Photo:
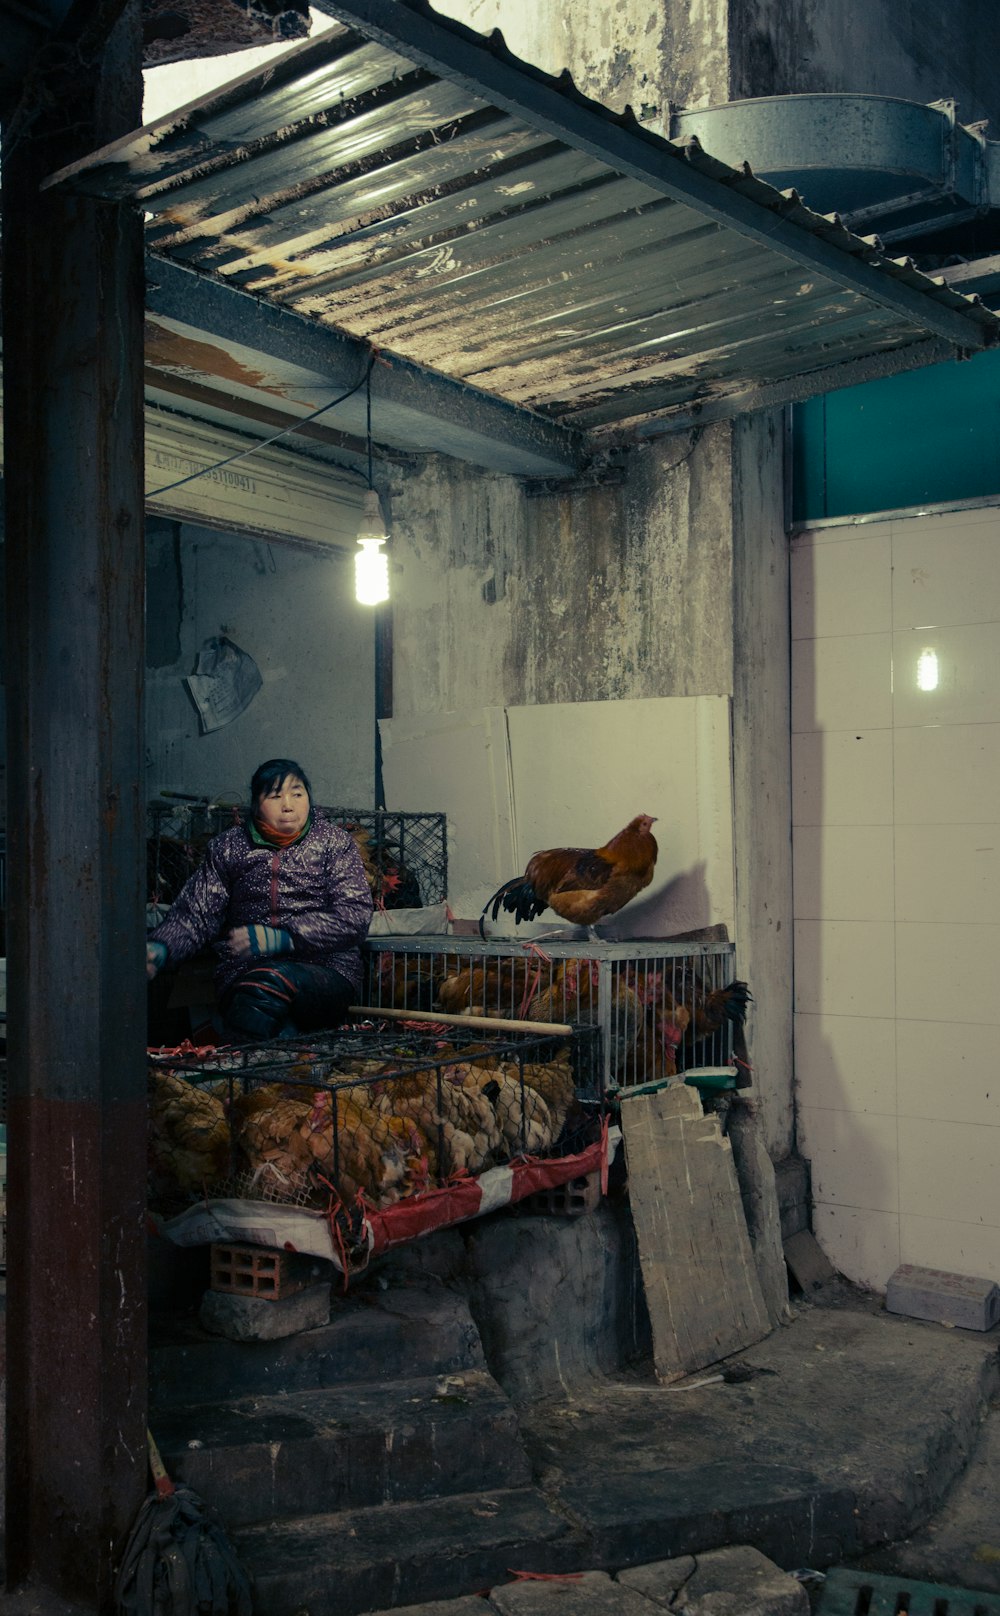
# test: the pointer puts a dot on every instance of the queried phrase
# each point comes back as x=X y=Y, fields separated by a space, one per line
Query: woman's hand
x=247 y=942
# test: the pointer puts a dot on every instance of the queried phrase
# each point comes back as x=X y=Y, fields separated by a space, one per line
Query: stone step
x=399 y=1554
x=381 y=1337
x=305 y=1452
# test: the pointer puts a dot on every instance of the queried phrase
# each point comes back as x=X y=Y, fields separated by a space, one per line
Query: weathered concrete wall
x=673 y=583
x=761 y=763
x=591 y=1263
x=293 y=610
x=510 y=1267
x=622 y=54
x=595 y=595
x=920 y=51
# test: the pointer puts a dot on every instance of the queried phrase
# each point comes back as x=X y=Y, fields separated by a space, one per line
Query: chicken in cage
x=379 y=1122
x=661 y=1008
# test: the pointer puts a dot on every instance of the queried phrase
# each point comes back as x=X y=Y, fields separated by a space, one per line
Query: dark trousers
x=286 y=994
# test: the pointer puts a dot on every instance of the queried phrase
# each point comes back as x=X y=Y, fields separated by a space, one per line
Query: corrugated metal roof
x=409 y=182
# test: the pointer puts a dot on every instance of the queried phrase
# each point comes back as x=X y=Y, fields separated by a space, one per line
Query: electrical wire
x=366 y=380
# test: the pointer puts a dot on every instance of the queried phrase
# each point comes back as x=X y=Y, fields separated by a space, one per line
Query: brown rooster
x=583 y=885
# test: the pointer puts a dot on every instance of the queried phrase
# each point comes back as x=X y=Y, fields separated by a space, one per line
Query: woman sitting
x=285 y=902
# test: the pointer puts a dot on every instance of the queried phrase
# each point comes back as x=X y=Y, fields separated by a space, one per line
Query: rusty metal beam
x=773 y=395
x=76 y=1317
x=201 y=400
x=418 y=411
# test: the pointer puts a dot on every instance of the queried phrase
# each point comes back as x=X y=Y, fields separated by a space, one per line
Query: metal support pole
x=72 y=348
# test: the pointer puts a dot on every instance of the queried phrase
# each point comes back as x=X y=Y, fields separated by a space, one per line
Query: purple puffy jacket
x=316 y=890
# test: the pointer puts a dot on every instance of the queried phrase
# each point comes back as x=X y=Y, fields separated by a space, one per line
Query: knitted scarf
x=264 y=836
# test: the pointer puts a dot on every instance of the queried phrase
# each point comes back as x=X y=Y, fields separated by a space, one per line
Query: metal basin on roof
x=409 y=185
x=899 y=167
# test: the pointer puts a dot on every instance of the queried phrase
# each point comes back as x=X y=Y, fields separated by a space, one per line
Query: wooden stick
x=493 y=1023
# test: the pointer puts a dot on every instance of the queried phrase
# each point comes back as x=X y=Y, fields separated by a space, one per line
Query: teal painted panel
x=923 y=438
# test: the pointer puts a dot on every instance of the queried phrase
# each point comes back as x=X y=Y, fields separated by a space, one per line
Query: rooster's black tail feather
x=519 y=899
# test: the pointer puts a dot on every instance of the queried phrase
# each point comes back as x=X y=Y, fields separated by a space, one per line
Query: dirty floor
x=847 y=1436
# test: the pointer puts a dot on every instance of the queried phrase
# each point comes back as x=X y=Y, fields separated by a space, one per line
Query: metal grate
x=861 y=1593
x=404 y=854
x=662 y=1008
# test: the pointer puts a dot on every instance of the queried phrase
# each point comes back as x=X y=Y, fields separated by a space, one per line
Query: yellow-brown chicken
x=188 y=1134
x=265 y=1124
x=524 y=1118
x=496 y=989
x=412 y=981
x=454 y=1117
x=434 y=1147
x=583 y=885
x=553 y=1080
x=350 y=1145
x=573 y=996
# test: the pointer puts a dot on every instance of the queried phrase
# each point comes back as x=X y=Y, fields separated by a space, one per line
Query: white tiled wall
x=896 y=839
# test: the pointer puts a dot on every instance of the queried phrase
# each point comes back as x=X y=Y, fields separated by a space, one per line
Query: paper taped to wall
x=223 y=684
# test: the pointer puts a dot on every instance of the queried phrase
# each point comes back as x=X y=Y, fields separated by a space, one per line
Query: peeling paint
x=168 y=350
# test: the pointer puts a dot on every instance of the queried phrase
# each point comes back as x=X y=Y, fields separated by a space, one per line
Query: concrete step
x=376 y=1337
x=304 y=1452
x=400 y=1554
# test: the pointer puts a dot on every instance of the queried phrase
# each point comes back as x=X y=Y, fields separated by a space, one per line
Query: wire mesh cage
x=364 y=1112
x=662 y=1008
x=404 y=854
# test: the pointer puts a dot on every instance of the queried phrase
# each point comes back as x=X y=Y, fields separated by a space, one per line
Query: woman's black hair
x=272 y=773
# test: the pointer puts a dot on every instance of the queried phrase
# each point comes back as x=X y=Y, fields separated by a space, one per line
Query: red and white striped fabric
x=291 y=1228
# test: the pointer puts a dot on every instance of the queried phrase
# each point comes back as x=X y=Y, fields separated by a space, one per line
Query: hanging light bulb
x=371 y=564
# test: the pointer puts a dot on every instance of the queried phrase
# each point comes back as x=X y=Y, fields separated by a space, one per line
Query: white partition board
x=457 y=764
x=572 y=774
x=581 y=770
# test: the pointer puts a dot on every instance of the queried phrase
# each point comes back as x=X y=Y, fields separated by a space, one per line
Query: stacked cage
x=662 y=1008
x=404 y=854
x=365 y=1115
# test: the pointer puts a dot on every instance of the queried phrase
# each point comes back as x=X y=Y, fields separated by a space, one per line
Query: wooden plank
x=697 y=1265
x=808 y=1264
x=383 y=1012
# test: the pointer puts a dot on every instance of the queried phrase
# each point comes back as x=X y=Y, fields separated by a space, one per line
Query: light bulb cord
x=366 y=382
x=368 y=420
